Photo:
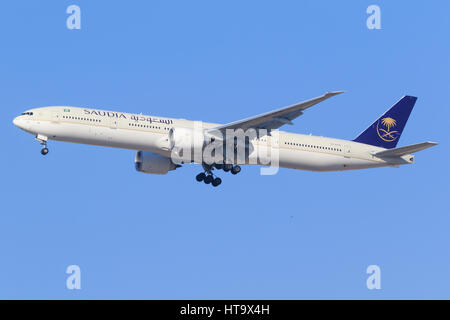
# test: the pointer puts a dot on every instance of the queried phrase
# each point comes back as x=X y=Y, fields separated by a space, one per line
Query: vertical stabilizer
x=386 y=130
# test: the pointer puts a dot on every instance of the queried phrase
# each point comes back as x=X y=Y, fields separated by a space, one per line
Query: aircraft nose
x=19 y=122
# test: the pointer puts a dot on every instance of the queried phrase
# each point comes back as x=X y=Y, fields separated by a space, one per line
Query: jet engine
x=149 y=162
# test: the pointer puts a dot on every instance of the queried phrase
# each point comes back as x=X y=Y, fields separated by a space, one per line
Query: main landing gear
x=209 y=178
x=230 y=168
x=43 y=141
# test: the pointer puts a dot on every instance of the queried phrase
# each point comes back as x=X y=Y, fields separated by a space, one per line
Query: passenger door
x=55 y=115
x=347 y=151
x=113 y=124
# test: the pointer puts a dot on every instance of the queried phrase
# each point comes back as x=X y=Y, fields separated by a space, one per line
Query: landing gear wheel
x=236 y=170
x=44 y=151
x=208 y=179
x=216 y=182
x=227 y=167
x=200 y=177
x=218 y=166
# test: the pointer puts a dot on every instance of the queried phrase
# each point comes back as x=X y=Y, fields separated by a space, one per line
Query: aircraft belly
x=103 y=136
x=315 y=161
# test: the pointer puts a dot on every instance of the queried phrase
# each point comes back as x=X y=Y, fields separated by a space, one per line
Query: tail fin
x=386 y=131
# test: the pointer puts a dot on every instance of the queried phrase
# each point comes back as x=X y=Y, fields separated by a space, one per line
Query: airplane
x=158 y=139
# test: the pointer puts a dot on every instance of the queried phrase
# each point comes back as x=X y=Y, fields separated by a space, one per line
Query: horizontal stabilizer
x=398 y=152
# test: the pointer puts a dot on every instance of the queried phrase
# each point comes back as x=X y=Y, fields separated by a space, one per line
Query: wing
x=276 y=118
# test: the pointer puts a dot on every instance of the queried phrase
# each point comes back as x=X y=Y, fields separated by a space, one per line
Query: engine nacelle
x=149 y=162
x=186 y=141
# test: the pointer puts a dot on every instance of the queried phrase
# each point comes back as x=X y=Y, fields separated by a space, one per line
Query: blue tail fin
x=386 y=131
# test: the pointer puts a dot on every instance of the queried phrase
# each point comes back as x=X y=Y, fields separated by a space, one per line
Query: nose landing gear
x=43 y=141
x=44 y=151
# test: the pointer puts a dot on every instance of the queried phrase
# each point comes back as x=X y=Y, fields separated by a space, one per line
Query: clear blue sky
x=292 y=235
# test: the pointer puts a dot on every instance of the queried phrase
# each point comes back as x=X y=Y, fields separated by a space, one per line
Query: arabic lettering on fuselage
x=134 y=117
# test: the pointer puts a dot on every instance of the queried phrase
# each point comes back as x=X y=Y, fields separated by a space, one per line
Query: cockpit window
x=27 y=113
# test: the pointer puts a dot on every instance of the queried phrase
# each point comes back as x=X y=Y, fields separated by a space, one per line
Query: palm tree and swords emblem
x=386 y=134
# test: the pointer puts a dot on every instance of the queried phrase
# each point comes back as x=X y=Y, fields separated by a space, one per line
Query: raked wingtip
x=333 y=93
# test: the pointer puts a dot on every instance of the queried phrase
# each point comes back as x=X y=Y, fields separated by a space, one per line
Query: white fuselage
x=150 y=133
